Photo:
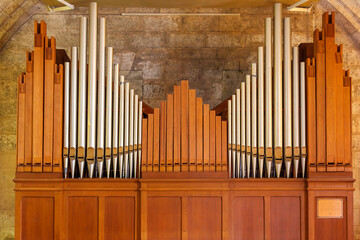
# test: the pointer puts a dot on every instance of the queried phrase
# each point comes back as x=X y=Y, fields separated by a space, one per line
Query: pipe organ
x=277 y=152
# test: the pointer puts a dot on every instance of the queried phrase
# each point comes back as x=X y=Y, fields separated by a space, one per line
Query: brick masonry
x=155 y=52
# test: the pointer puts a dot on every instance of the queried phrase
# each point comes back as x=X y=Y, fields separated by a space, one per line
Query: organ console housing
x=273 y=161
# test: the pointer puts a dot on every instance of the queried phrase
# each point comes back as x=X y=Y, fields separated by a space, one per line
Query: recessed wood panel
x=204 y=218
x=37 y=218
x=285 y=218
x=119 y=218
x=83 y=218
x=164 y=218
x=251 y=209
x=331 y=228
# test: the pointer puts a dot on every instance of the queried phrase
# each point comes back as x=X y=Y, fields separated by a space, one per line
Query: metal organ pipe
x=231 y=162
x=121 y=126
x=296 y=111
x=66 y=118
x=233 y=131
x=115 y=128
x=108 y=115
x=73 y=109
x=303 y=118
x=261 y=131
x=242 y=139
x=254 y=118
x=238 y=153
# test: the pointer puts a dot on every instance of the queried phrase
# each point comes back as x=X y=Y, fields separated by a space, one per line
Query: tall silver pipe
x=91 y=119
x=126 y=129
x=254 y=118
x=238 y=142
x=296 y=111
x=101 y=98
x=108 y=125
x=131 y=133
x=82 y=98
x=230 y=163
x=248 y=124
x=233 y=131
x=268 y=98
x=73 y=109
x=278 y=126
x=136 y=119
x=261 y=131
x=243 y=142
x=140 y=138
x=66 y=118
x=121 y=127
x=115 y=128
x=303 y=118
x=287 y=98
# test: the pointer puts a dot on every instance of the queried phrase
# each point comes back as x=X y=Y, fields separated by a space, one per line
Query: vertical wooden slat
x=339 y=108
x=50 y=58
x=20 y=134
x=331 y=91
x=58 y=118
x=224 y=146
x=156 y=142
x=347 y=120
x=29 y=111
x=38 y=90
x=150 y=148
x=192 y=130
x=199 y=135
x=206 y=138
x=144 y=145
x=184 y=125
x=311 y=114
x=319 y=49
x=163 y=136
x=170 y=133
x=212 y=140
x=177 y=128
x=218 y=143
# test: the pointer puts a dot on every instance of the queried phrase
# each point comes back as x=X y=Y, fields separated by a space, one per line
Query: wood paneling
x=164 y=218
x=119 y=218
x=251 y=209
x=204 y=218
x=285 y=218
x=37 y=218
x=83 y=218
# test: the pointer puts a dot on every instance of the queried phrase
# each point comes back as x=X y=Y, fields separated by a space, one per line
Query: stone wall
x=214 y=52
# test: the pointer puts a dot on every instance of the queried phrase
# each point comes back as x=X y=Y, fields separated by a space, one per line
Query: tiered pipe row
x=266 y=123
x=102 y=114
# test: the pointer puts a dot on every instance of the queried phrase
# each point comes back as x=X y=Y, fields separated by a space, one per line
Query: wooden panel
x=319 y=48
x=150 y=142
x=224 y=145
x=119 y=218
x=248 y=218
x=29 y=111
x=50 y=52
x=206 y=138
x=218 y=143
x=192 y=130
x=83 y=218
x=20 y=130
x=204 y=218
x=184 y=125
x=331 y=92
x=212 y=141
x=177 y=124
x=311 y=114
x=331 y=228
x=58 y=117
x=37 y=218
x=170 y=133
x=285 y=218
x=38 y=90
x=162 y=136
x=164 y=218
x=144 y=145
x=199 y=135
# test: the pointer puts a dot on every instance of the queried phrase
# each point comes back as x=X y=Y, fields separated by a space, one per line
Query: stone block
x=222 y=39
x=151 y=70
x=8 y=124
x=7 y=233
x=8 y=141
x=200 y=23
x=241 y=23
x=187 y=40
x=163 y=23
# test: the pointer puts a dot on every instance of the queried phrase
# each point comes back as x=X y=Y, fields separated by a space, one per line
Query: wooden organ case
x=184 y=171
